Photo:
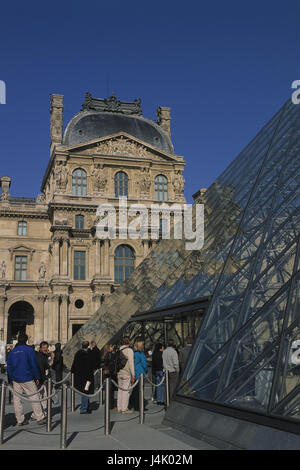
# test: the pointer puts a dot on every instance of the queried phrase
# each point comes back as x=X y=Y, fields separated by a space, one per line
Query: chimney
x=5 y=185
x=56 y=120
x=164 y=119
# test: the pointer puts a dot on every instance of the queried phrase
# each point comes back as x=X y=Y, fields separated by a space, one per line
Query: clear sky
x=224 y=68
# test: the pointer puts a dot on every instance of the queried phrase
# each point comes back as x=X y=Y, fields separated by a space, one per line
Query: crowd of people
x=28 y=370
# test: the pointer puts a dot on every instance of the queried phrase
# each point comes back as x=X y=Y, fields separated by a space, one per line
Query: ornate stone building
x=54 y=270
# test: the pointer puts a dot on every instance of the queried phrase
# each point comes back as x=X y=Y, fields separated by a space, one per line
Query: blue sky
x=224 y=68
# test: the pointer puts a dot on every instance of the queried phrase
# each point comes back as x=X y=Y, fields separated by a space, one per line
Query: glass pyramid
x=247 y=352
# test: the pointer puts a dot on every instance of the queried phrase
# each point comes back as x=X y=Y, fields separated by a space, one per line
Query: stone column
x=56 y=256
x=63 y=337
x=97 y=269
x=3 y=317
x=106 y=258
x=39 y=319
x=54 y=317
x=65 y=256
x=101 y=255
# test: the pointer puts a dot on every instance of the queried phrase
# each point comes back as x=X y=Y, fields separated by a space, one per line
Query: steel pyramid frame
x=246 y=353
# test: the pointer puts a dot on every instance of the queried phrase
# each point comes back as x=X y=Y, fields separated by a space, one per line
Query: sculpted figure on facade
x=61 y=176
x=122 y=146
x=42 y=270
x=145 y=180
x=99 y=178
x=41 y=198
x=178 y=184
x=3 y=269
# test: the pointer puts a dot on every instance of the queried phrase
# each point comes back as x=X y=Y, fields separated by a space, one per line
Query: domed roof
x=99 y=119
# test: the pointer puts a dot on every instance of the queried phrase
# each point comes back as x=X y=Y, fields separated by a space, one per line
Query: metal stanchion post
x=101 y=383
x=49 y=402
x=107 y=407
x=72 y=394
x=141 y=393
x=167 y=389
x=63 y=422
x=2 y=411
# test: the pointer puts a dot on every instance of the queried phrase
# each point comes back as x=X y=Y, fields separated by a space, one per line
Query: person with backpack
x=125 y=374
x=107 y=360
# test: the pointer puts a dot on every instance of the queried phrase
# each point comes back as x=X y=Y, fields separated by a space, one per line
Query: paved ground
x=86 y=432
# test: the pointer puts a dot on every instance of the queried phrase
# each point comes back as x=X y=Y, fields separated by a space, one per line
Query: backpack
x=118 y=361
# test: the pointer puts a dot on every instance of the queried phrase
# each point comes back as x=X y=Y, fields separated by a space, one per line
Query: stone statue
x=42 y=270
x=99 y=178
x=3 y=269
x=178 y=183
x=61 y=176
x=41 y=198
x=145 y=180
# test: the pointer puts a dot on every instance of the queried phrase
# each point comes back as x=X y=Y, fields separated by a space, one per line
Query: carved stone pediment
x=123 y=144
x=21 y=250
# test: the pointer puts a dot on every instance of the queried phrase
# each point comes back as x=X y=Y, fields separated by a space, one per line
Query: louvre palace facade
x=55 y=271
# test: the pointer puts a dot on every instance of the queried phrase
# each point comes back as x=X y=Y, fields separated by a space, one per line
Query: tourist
x=44 y=360
x=83 y=370
x=23 y=372
x=96 y=355
x=184 y=353
x=158 y=372
x=140 y=367
x=107 y=358
x=171 y=364
x=58 y=364
x=125 y=376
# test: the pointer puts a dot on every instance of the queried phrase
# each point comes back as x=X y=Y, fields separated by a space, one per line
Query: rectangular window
x=22 y=228
x=79 y=265
x=20 y=268
x=79 y=221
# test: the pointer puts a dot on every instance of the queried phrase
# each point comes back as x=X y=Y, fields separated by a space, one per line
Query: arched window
x=121 y=184
x=124 y=262
x=79 y=221
x=22 y=228
x=79 y=182
x=161 y=188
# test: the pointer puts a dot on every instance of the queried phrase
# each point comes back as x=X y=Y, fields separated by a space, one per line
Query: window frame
x=79 y=182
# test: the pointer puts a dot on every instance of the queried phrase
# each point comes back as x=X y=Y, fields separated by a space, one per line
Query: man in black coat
x=83 y=370
x=96 y=355
x=43 y=359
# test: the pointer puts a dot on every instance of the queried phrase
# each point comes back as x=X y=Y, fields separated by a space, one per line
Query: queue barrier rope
x=156 y=385
x=125 y=389
x=61 y=381
x=85 y=394
x=25 y=397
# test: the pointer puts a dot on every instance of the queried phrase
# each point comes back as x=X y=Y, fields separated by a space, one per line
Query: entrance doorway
x=76 y=327
x=20 y=320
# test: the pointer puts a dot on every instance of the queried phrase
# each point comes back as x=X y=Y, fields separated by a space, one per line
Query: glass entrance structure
x=247 y=352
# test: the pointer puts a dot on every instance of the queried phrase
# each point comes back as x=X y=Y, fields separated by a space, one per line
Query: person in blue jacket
x=23 y=373
x=140 y=367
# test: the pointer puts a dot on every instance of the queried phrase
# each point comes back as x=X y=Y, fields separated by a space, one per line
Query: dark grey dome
x=89 y=125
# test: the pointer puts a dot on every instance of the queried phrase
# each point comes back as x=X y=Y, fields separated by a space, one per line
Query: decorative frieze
x=123 y=146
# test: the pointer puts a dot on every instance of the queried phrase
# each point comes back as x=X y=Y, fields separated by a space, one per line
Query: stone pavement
x=86 y=432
